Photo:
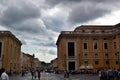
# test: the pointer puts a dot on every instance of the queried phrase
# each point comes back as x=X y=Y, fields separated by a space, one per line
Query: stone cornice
x=92 y=30
x=9 y=34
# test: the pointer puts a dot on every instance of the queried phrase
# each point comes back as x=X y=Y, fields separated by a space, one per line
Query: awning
x=89 y=67
x=82 y=67
x=86 y=67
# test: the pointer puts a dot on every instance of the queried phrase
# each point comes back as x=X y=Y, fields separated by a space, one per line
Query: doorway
x=71 y=65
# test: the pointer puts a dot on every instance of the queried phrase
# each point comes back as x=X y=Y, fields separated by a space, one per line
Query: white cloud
x=45 y=56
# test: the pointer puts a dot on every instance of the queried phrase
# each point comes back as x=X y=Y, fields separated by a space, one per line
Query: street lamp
x=117 y=53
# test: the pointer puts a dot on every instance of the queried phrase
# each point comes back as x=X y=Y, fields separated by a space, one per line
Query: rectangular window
x=117 y=62
x=116 y=55
x=0 y=48
x=107 y=62
x=96 y=55
x=114 y=45
x=85 y=55
x=85 y=45
x=105 y=45
x=95 y=45
x=86 y=63
x=106 y=55
x=96 y=62
x=71 y=49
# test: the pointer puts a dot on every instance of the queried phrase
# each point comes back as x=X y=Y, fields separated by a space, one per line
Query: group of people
x=35 y=74
x=3 y=74
x=110 y=74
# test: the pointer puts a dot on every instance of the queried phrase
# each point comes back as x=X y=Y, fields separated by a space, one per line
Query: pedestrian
x=110 y=74
x=66 y=74
x=39 y=75
x=23 y=73
x=35 y=74
x=4 y=75
x=116 y=74
x=32 y=74
x=103 y=74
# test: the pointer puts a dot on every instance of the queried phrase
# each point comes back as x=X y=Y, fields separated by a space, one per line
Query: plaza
x=52 y=76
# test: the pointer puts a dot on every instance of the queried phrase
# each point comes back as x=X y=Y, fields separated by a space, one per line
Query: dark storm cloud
x=16 y=13
x=86 y=13
x=64 y=2
x=56 y=2
x=86 y=10
x=54 y=23
x=31 y=26
x=48 y=42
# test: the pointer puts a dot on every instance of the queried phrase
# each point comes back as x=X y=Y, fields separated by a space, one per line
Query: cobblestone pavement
x=52 y=76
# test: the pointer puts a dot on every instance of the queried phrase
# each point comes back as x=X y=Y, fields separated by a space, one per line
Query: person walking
x=66 y=74
x=32 y=73
x=4 y=75
x=39 y=75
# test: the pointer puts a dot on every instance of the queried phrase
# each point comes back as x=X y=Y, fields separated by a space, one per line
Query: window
x=96 y=55
x=0 y=48
x=86 y=62
x=116 y=62
x=104 y=39
x=85 y=55
x=114 y=37
x=83 y=30
x=95 y=45
x=93 y=31
x=96 y=62
x=71 y=49
x=114 y=45
x=116 y=55
x=107 y=62
x=94 y=38
x=105 y=45
x=106 y=55
x=85 y=45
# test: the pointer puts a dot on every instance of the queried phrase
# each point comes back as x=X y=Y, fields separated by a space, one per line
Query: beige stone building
x=28 y=62
x=89 y=46
x=54 y=63
x=25 y=61
x=10 y=51
x=37 y=64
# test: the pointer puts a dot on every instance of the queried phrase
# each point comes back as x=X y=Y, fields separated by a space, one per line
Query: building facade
x=29 y=62
x=91 y=46
x=25 y=62
x=37 y=64
x=54 y=63
x=10 y=51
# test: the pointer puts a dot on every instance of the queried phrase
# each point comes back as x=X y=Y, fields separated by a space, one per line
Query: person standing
x=4 y=75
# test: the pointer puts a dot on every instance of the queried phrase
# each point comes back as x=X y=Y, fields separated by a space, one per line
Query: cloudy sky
x=37 y=23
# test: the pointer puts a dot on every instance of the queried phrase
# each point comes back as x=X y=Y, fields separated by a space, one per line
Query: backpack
x=110 y=73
